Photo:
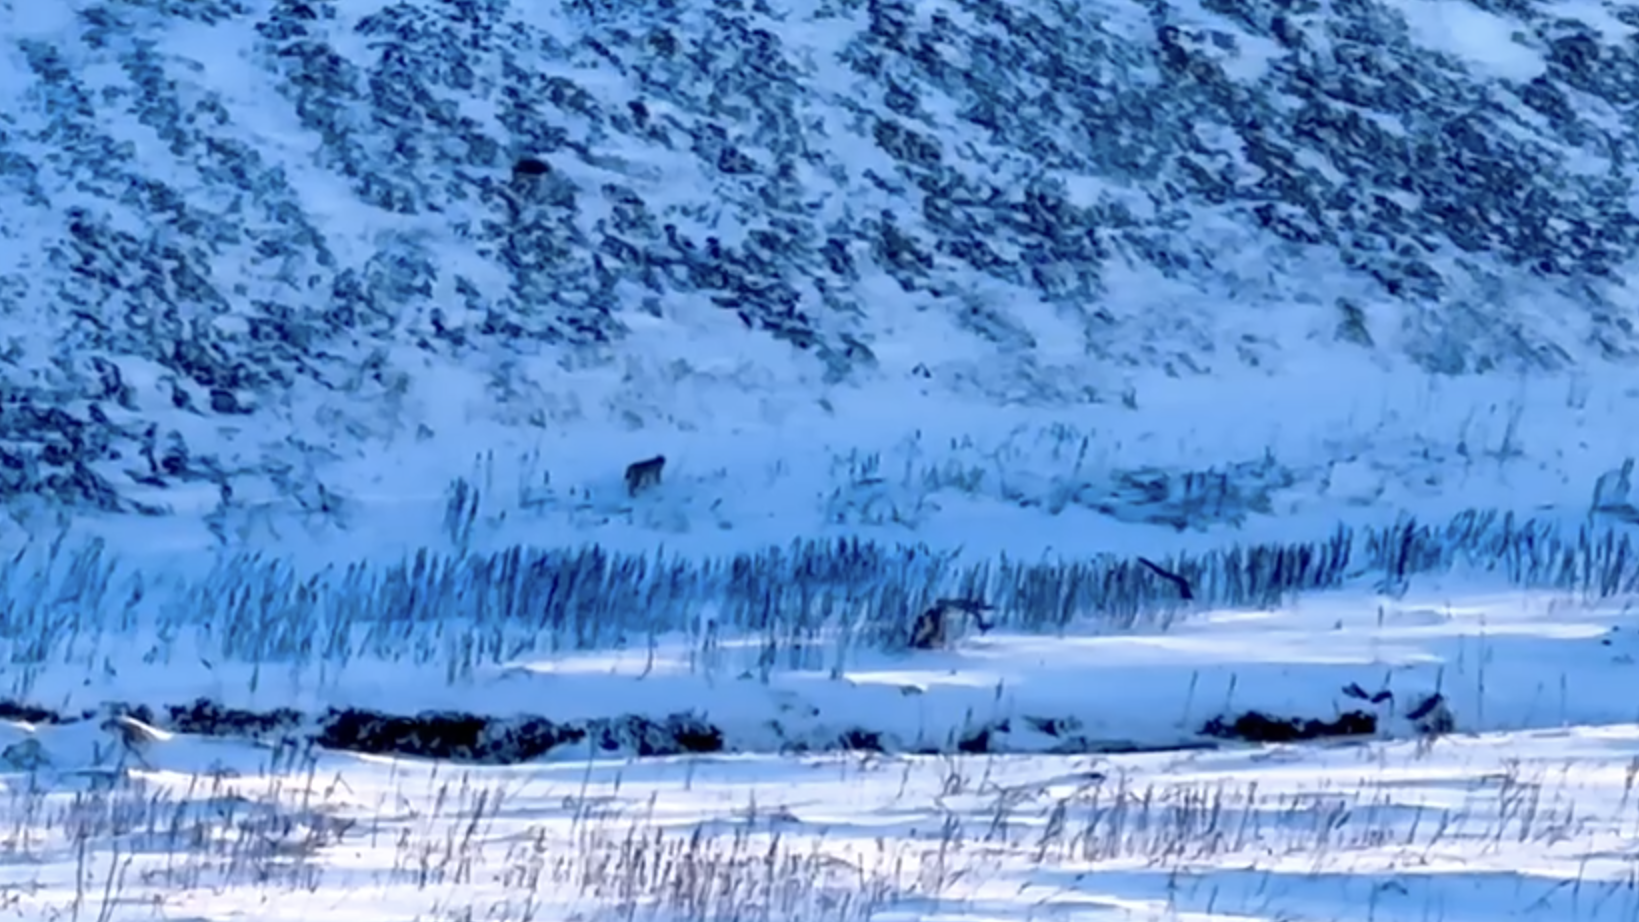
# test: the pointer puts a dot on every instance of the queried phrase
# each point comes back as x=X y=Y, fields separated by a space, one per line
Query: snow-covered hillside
x=1122 y=460
x=923 y=271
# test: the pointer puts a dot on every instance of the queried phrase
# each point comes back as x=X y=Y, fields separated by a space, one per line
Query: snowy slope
x=920 y=271
x=312 y=406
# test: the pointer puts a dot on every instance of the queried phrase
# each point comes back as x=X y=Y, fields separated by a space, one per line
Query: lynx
x=933 y=629
x=134 y=737
x=644 y=474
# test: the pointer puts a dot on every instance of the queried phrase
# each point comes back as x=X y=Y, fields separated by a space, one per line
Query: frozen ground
x=1198 y=282
x=1533 y=817
x=1499 y=662
x=1536 y=825
x=1250 y=457
x=267 y=270
x=1517 y=806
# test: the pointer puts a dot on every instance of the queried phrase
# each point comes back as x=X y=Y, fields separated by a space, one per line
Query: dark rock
x=1257 y=727
x=694 y=735
x=207 y=718
x=433 y=735
x=223 y=401
x=511 y=742
x=530 y=166
x=860 y=740
x=975 y=742
x=27 y=713
x=676 y=735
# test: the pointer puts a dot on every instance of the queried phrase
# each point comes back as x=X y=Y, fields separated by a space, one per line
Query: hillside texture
x=274 y=215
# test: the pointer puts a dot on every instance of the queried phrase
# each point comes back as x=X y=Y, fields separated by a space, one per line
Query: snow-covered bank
x=95 y=609
x=890 y=468
x=1286 y=256
x=1423 y=665
x=547 y=653
x=1464 y=829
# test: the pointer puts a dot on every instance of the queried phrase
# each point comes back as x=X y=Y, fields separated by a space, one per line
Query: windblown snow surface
x=1265 y=369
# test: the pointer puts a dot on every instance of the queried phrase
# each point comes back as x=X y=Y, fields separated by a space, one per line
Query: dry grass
x=506 y=846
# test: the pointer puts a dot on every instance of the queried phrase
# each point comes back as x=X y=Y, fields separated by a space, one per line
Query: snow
x=23 y=18
x=1481 y=39
x=1601 y=14
x=1466 y=828
x=1502 y=662
x=1527 y=805
x=770 y=463
x=1064 y=434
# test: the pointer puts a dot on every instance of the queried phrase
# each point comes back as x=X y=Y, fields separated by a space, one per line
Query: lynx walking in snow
x=644 y=474
x=135 y=737
x=933 y=630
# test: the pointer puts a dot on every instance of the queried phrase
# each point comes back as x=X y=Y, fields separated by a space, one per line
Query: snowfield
x=1491 y=662
x=914 y=270
x=1261 y=376
x=1537 y=825
x=1486 y=772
